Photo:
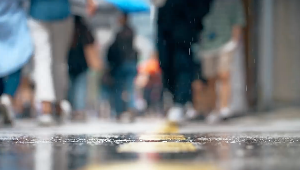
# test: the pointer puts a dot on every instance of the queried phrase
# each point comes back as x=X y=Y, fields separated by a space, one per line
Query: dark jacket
x=181 y=20
x=82 y=37
x=122 y=49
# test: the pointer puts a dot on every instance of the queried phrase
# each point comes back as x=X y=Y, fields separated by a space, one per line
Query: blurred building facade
x=272 y=62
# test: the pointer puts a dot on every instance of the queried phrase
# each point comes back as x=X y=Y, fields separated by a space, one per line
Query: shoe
x=213 y=118
x=190 y=111
x=63 y=112
x=6 y=110
x=126 y=117
x=78 y=116
x=225 y=113
x=46 y=120
x=176 y=114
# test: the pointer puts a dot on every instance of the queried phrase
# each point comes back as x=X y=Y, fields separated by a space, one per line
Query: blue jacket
x=50 y=10
x=16 y=46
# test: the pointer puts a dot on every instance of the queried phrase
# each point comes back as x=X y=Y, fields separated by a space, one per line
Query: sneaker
x=46 y=120
x=6 y=110
x=63 y=112
x=66 y=110
x=225 y=113
x=190 y=111
x=126 y=117
x=176 y=114
x=213 y=118
x=78 y=116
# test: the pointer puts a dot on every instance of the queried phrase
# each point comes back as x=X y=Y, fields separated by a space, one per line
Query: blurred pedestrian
x=16 y=48
x=123 y=58
x=150 y=84
x=83 y=55
x=178 y=24
x=51 y=25
x=222 y=31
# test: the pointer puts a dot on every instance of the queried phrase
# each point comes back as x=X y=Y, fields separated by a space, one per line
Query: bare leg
x=225 y=89
x=46 y=107
x=212 y=93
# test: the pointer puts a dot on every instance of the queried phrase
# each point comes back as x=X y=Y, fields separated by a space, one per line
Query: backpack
x=122 y=49
x=81 y=38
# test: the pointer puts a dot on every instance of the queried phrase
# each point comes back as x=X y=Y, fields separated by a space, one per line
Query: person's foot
x=45 y=120
x=79 y=116
x=63 y=112
x=225 y=113
x=176 y=114
x=126 y=117
x=6 y=110
x=213 y=118
x=191 y=113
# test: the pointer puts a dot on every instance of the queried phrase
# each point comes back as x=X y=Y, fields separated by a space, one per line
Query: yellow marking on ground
x=168 y=127
x=161 y=137
x=157 y=147
x=153 y=166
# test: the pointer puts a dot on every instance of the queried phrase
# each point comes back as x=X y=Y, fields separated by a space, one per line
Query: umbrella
x=131 y=6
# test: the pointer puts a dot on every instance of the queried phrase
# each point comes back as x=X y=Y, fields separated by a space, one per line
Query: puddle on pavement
x=163 y=151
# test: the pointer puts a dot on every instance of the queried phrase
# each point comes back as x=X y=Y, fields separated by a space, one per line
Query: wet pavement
x=240 y=149
x=130 y=151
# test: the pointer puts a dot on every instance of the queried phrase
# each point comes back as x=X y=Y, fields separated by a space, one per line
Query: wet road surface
x=253 y=143
x=152 y=151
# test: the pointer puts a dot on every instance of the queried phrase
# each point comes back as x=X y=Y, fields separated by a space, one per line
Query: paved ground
x=281 y=120
x=263 y=141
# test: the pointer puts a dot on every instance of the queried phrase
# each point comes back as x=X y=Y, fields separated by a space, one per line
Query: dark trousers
x=10 y=83
x=124 y=77
x=178 y=67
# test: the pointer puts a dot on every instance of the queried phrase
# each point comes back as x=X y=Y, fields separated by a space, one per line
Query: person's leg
x=11 y=83
x=183 y=76
x=165 y=56
x=80 y=92
x=199 y=96
x=182 y=68
x=130 y=87
x=210 y=72
x=212 y=93
x=225 y=89
x=224 y=78
x=61 y=32
x=117 y=91
x=42 y=60
x=1 y=86
x=71 y=90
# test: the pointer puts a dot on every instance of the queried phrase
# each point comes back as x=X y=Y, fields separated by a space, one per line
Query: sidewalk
x=282 y=120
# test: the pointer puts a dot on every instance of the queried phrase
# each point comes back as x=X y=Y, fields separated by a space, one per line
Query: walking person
x=83 y=57
x=123 y=58
x=16 y=49
x=222 y=31
x=176 y=34
x=51 y=25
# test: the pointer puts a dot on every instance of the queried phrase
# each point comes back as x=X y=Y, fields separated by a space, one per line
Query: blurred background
x=195 y=84
x=264 y=68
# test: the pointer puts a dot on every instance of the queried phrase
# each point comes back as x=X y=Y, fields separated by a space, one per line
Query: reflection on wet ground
x=217 y=151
